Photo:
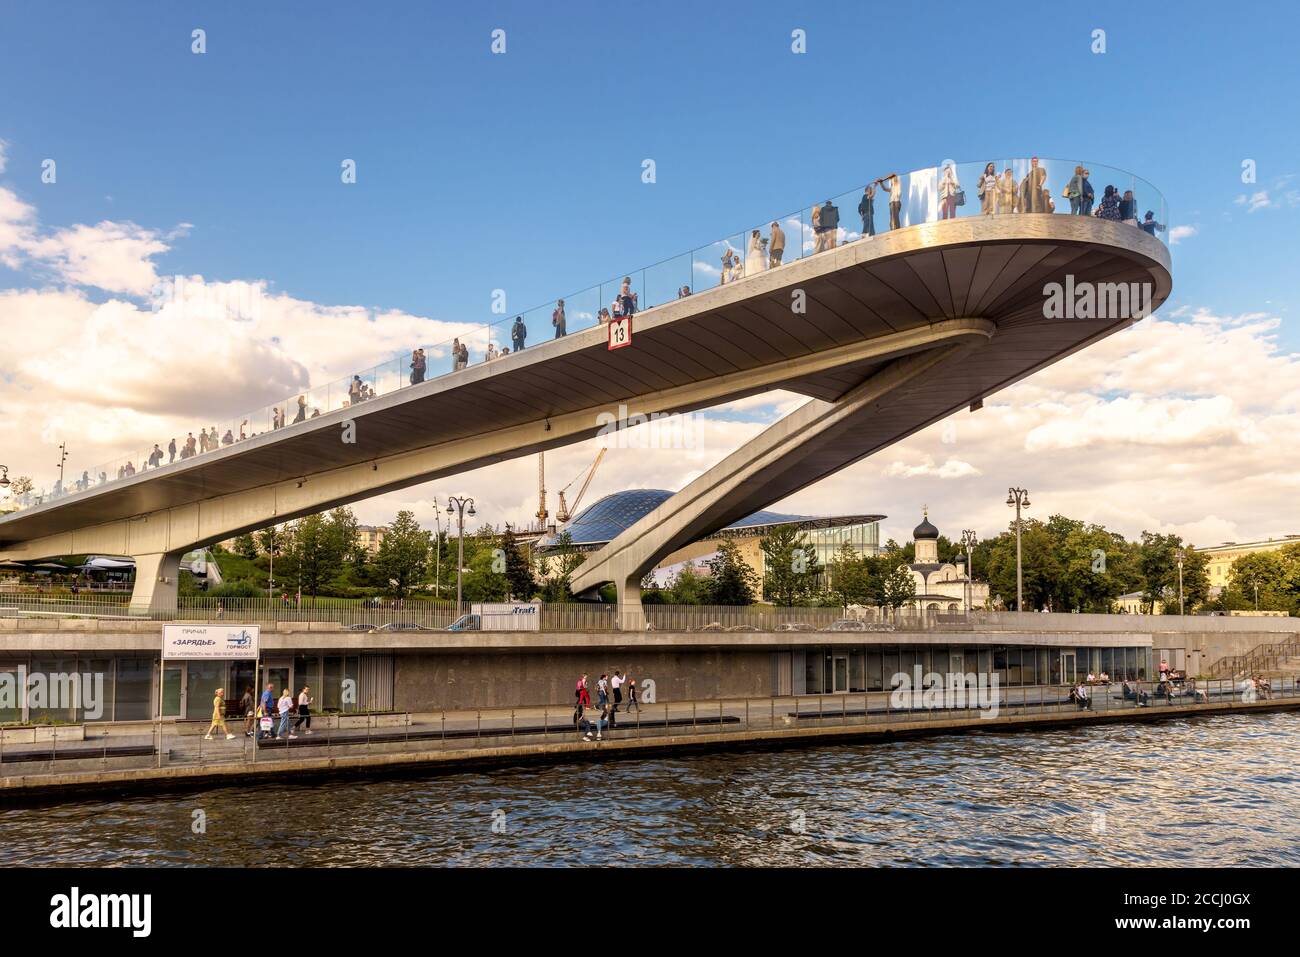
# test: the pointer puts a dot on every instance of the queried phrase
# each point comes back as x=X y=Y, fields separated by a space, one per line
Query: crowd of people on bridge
x=999 y=193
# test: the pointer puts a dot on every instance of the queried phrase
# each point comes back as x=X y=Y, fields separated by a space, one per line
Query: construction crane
x=563 y=512
x=542 y=513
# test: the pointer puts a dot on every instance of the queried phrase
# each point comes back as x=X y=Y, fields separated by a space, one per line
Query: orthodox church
x=941 y=586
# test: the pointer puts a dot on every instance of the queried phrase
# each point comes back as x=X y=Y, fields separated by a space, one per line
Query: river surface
x=1204 y=791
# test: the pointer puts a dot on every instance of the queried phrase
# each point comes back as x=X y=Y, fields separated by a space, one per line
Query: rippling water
x=1209 y=791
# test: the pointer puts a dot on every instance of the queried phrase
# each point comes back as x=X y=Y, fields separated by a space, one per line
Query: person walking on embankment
x=218 y=716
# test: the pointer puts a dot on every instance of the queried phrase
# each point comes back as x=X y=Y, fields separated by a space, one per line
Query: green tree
x=791 y=567
x=687 y=588
x=850 y=577
x=403 y=554
x=246 y=546
x=557 y=569
x=897 y=587
x=733 y=581
x=518 y=570
x=1264 y=574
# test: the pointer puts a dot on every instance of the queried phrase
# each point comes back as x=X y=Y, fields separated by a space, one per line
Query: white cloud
x=950 y=469
x=115 y=257
x=1255 y=201
x=1178 y=233
x=4 y=158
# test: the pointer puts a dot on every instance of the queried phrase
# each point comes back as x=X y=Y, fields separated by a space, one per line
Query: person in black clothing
x=625 y=301
x=1149 y=224
x=867 y=210
x=1085 y=207
x=171 y=451
x=301 y=414
x=518 y=333
x=830 y=223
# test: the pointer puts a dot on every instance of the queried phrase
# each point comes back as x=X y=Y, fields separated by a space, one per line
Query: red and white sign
x=620 y=332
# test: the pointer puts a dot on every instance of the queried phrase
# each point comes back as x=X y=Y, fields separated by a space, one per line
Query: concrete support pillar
x=631 y=615
x=155 y=583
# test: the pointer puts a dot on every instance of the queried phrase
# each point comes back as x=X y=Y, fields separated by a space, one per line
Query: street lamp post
x=1018 y=498
x=437 y=549
x=4 y=476
x=968 y=540
x=458 y=505
x=1181 y=556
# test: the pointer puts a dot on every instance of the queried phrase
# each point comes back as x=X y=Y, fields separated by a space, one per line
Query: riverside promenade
x=141 y=756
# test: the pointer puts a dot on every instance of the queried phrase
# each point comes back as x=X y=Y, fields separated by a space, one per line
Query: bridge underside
x=898 y=332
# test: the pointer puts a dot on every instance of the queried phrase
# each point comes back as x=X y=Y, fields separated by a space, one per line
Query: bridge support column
x=155 y=583
x=631 y=614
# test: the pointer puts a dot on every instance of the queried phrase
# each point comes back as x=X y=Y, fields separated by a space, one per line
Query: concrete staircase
x=1274 y=658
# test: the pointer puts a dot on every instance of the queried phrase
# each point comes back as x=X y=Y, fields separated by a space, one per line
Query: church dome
x=925 y=530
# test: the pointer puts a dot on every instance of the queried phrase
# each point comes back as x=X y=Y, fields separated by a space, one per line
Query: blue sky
x=478 y=171
x=523 y=172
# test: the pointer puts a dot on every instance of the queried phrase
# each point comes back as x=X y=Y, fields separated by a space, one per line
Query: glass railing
x=891 y=201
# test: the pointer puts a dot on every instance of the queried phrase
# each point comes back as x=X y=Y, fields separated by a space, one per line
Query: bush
x=235 y=590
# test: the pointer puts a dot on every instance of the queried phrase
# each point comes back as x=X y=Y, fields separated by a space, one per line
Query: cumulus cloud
x=950 y=469
x=1179 y=233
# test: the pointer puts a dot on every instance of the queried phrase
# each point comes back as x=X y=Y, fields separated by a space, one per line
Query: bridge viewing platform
x=885 y=334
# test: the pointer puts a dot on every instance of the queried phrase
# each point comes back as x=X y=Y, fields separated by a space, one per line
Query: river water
x=1217 y=790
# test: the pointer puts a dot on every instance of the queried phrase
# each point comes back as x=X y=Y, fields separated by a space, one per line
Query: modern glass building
x=836 y=669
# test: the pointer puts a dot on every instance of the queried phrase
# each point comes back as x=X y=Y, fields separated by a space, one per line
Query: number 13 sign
x=620 y=332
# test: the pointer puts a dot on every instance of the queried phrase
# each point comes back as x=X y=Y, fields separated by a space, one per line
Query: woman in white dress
x=755 y=257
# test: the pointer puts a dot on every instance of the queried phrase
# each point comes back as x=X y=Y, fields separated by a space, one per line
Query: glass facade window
x=133 y=699
x=97 y=675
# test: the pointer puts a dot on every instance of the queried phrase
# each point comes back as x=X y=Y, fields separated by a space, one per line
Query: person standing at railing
x=776 y=248
x=1149 y=224
x=1108 y=208
x=171 y=451
x=1074 y=191
x=455 y=354
x=1128 y=208
x=727 y=262
x=949 y=190
x=491 y=352
x=830 y=222
x=988 y=190
x=301 y=414
x=218 y=716
x=203 y=439
x=558 y=320
x=155 y=457
x=867 y=210
x=755 y=257
x=625 y=304
x=1087 y=197
x=518 y=333
x=892 y=185
x=1007 y=193
x=1032 y=189
x=418 y=366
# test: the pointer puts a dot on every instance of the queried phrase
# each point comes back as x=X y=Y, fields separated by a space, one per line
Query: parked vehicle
x=846 y=624
x=500 y=616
